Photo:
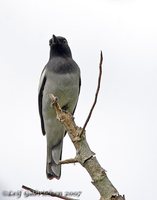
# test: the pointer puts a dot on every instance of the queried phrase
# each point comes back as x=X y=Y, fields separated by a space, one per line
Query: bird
x=60 y=77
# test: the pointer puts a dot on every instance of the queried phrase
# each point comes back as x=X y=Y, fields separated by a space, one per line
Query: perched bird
x=61 y=77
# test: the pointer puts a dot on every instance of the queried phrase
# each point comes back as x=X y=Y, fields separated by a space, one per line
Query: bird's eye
x=64 y=41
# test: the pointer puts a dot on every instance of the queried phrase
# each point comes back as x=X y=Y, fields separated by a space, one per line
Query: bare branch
x=46 y=193
x=84 y=154
x=96 y=94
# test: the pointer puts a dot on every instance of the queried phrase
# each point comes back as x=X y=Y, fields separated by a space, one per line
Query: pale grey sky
x=123 y=128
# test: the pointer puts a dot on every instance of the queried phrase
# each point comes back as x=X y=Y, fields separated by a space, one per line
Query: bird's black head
x=59 y=47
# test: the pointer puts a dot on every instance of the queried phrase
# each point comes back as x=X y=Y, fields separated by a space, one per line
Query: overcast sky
x=123 y=128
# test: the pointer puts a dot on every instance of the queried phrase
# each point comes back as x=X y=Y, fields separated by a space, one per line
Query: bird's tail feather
x=53 y=169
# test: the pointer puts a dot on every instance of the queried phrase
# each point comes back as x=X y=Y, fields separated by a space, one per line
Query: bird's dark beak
x=55 y=39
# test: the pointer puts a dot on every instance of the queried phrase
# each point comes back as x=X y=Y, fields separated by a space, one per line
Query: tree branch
x=96 y=94
x=68 y=161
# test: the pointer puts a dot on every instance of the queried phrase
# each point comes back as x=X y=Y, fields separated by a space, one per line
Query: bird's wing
x=40 y=96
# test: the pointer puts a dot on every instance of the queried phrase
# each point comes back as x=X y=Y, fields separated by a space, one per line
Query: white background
x=123 y=128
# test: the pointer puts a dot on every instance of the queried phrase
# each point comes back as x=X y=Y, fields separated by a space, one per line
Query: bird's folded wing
x=40 y=96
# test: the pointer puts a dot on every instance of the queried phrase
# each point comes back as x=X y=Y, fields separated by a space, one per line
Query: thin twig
x=96 y=94
x=68 y=161
x=46 y=193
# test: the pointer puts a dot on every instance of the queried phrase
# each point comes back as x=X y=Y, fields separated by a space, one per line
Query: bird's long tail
x=54 y=155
